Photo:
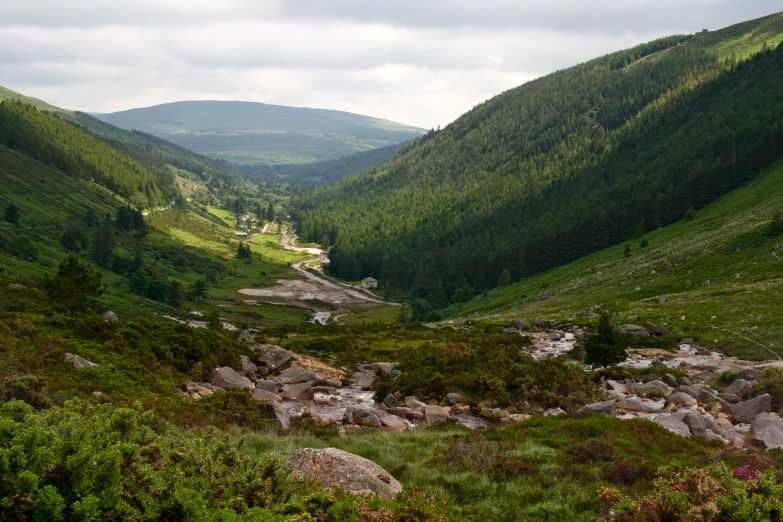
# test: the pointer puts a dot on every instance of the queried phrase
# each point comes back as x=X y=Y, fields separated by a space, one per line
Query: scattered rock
x=361 y=417
x=632 y=329
x=554 y=412
x=746 y=411
x=655 y=388
x=334 y=468
x=281 y=416
x=681 y=399
x=269 y=386
x=392 y=399
x=553 y=336
x=277 y=359
x=332 y=383
x=245 y=337
x=660 y=300
x=363 y=380
x=265 y=396
x=384 y=367
x=79 y=363
x=110 y=316
x=699 y=424
x=433 y=413
x=290 y=376
x=227 y=378
x=608 y=408
x=394 y=423
x=493 y=413
x=655 y=330
x=638 y=404
x=673 y=424
x=97 y=394
x=298 y=392
x=766 y=433
x=248 y=366
x=519 y=324
x=740 y=387
x=454 y=398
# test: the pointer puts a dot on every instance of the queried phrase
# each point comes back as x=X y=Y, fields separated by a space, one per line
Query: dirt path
x=288 y=242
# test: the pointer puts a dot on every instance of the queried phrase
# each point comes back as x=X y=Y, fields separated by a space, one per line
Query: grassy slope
x=257 y=133
x=8 y=94
x=728 y=244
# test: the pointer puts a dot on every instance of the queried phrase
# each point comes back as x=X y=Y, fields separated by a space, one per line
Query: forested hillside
x=562 y=166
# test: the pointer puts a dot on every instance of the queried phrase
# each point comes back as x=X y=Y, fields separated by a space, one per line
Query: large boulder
x=281 y=415
x=673 y=424
x=766 y=433
x=394 y=423
x=608 y=408
x=363 y=380
x=699 y=424
x=265 y=396
x=79 y=363
x=277 y=359
x=681 y=399
x=433 y=413
x=269 y=386
x=384 y=367
x=290 y=376
x=454 y=398
x=520 y=324
x=655 y=388
x=655 y=330
x=334 y=468
x=740 y=387
x=392 y=400
x=331 y=383
x=248 y=366
x=227 y=378
x=746 y=411
x=362 y=417
x=634 y=403
x=245 y=337
x=110 y=316
x=632 y=329
x=298 y=392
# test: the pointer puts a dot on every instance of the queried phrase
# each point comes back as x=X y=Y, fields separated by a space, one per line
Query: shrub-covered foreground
x=86 y=462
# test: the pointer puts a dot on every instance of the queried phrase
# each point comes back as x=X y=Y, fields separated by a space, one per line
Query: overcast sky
x=417 y=62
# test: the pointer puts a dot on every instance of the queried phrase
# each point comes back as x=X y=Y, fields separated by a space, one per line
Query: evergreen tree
x=402 y=315
x=244 y=252
x=23 y=248
x=214 y=322
x=270 y=213
x=604 y=347
x=325 y=242
x=690 y=214
x=75 y=239
x=11 y=214
x=74 y=287
x=505 y=278
x=643 y=243
x=627 y=251
x=198 y=291
x=90 y=219
x=102 y=251
x=174 y=297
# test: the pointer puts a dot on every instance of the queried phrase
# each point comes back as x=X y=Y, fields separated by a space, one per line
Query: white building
x=369 y=282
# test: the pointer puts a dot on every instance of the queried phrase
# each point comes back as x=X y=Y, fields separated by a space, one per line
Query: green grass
x=729 y=244
x=8 y=94
x=380 y=314
x=224 y=215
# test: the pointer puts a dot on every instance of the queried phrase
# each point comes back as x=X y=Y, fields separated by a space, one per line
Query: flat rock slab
x=80 y=363
x=227 y=378
x=334 y=468
x=608 y=408
x=766 y=433
x=746 y=411
x=673 y=424
x=277 y=359
x=298 y=392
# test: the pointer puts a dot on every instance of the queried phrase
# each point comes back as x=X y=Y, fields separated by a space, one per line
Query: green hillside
x=561 y=167
x=325 y=172
x=719 y=272
x=257 y=133
x=8 y=94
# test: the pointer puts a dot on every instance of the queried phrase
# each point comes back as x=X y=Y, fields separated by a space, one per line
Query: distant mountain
x=325 y=172
x=562 y=166
x=257 y=133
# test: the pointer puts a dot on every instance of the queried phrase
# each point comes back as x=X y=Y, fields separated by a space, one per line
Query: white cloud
x=421 y=63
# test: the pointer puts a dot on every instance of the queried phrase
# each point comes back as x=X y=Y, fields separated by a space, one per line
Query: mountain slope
x=258 y=133
x=720 y=273
x=325 y=172
x=562 y=166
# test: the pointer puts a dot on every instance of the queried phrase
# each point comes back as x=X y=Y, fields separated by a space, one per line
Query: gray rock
x=245 y=337
x=655 y=330
x=740 y=387
x=269 y=386
x=616 y=395
x=617 y=386
x=290 y=376
x=392 y=399
x=749 y=374
x=110 y=316
x=298 y=392
x=670 y=380
x=395 y=373
x=699 y=424
x=281 y=416
x=684 y=381
x=79 y=363
x=686 y=340
x=632 y=329
x=554 y=412
x=660 y=300
x=746 y=411
x=690 y=390
x=638 y=404
x=326 y=390
x=248 y=366
x=493 y=413
x=673 y=424
x=332 y=383
x=519 y=324
x=608 y=408
x=730 y=398
x=227 y=378
x=766 y=433
x=277 y=359
x=363 y=380
x=334 y=468
x=265 y=396
x=399 y=411
x=263 y=371
x=681 y=399
x=655 y=388
x=433 y=413
x=711 y=435
x=553 y=336
x=394 y=423
x=454 y=398
x=361 y=417
x=384 y=367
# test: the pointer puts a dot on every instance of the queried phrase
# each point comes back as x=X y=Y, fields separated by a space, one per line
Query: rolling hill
x=257 y=133
x=562 y=166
